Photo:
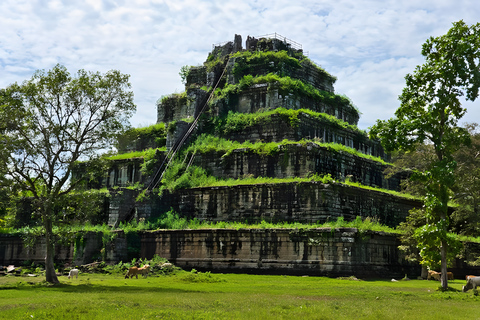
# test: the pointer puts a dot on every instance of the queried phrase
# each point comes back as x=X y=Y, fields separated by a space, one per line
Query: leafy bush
x=153 y=135
x=195 y=277
x=171 y=220
x=184 y=71
x=4 y=228
x=248 y=62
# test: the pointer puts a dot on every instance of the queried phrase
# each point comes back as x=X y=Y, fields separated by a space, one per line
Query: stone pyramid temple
x=259 y=135
x=263 y=111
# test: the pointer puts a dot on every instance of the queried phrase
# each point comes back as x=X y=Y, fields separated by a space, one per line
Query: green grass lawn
x=187 y=295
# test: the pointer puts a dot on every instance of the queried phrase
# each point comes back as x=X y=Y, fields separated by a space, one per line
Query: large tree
x=429 y=113
x=48 y=124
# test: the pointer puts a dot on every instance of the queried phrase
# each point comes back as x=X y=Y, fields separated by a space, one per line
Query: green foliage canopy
x=429 y=112
x=430 y=102
x=52 y=121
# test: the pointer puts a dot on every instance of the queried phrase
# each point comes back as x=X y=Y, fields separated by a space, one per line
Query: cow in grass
x=72 y=273
x=437 y=275
x=433 y=275
x=134 y=271
x=472 y=283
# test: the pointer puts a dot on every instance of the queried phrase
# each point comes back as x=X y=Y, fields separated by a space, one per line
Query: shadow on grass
x=448 y=289
x=90 y=288
x=96 y=285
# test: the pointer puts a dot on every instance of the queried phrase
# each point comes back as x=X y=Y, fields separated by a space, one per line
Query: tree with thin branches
x=51 y=122
x=429 y=113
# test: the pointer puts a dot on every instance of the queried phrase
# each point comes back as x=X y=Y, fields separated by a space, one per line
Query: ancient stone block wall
x=311 y=75
x=177 y=107
x=308 y=128
x=277 y=129
x=320 y=252
x=258 y=97
x=124 y=173
x=14 y=252
x=144 y=143
x=297 y=161
x=129 y=143
x=181 y=128
x=307 y=202
x=308 y=74
x=197 y=76
x=174 y=107
x=122 y=206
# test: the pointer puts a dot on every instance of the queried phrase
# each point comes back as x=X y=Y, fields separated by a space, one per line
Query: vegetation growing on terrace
x=172 y=221
x=236 y=121
x=180 y=97
x=181 y=174
x=127 y=155
x=214 y=58
x=286 y=85
x=182 y=177
x=155 y=134
x=147 y=155
x=248 y=62
x=280 y=62
x=209 y=143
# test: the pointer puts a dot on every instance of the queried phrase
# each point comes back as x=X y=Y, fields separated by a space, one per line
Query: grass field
x=189 y=295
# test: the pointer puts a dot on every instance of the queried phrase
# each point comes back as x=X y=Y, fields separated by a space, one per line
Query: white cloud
x=369 y=45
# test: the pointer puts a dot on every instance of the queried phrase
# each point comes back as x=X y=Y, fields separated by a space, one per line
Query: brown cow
x=437 y=275
x=433 y=274
x=134 y=271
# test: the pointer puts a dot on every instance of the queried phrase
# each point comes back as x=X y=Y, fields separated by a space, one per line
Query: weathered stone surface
x=122 y=206
x=124 y=173
x=197 y=76
x=277 y=129
x=180 y=106
x=173 y=138
x=138 y=139
x=13 y=250
x=318 y=252
x=343 y=252
x=268 y=96
x=237 y=43
x=177 y=107
x=308 y=74
x=127 y=172
x=300 y=160
x=293 y=202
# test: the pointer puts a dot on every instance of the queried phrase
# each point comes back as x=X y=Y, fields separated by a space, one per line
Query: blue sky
x=368 y=45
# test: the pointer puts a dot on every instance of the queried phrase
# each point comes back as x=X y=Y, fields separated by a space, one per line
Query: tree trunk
x=50 y=274
x=444 y=223
x=444 y=278
x=424 y=274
